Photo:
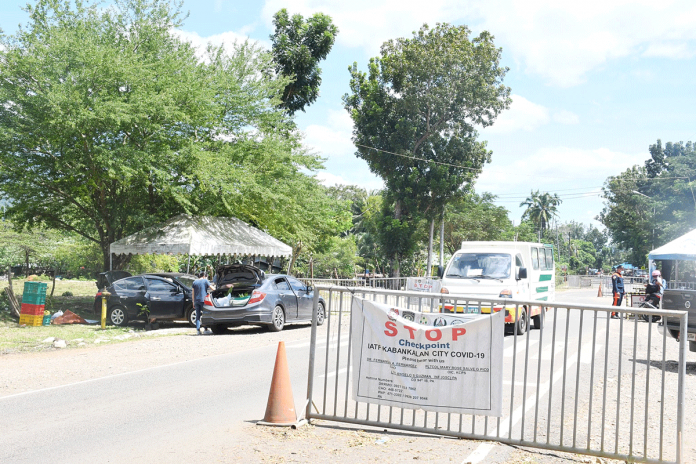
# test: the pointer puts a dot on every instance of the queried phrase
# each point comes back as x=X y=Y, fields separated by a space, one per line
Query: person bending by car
x=617 y=289
x=200 y=289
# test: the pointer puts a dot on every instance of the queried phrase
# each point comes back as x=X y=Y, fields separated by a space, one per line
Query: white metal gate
x=582 y=383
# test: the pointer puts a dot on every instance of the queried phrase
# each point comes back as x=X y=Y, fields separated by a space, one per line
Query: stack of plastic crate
x=33 y=303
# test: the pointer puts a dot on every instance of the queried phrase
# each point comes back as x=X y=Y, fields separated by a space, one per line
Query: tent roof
x=683 y=248
x=202 y=235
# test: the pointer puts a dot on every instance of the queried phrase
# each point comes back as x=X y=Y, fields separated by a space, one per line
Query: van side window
x=542 y=259
x=549 y=258
x=535 y=258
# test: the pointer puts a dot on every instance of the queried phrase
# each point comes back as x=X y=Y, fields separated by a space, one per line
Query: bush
x=67 y=293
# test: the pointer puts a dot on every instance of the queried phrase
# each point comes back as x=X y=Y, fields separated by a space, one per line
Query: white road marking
x=507 y=423
x=479 y=454
x=521 y=346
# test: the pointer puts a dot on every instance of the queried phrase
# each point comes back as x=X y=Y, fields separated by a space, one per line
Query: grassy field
x=14 y=338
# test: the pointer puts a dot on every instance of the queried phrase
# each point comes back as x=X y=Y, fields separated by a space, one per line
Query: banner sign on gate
x=423 y=284
x=432 y=361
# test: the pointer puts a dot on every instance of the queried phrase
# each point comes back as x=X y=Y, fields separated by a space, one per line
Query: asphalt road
x=173 y=413
x=195 y=411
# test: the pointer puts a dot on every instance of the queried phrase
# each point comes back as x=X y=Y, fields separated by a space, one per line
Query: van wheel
x=521 y=324
x=538 y=322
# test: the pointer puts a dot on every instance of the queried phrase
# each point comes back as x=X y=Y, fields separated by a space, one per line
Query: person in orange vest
x=617 y=289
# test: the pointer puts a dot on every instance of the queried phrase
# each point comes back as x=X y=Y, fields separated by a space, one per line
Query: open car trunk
x=235 y=283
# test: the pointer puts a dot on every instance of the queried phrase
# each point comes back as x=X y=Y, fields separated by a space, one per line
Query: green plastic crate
x=35 y=288
x=33 y=299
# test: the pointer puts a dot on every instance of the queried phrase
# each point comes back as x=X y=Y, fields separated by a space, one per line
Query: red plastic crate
x=32 y=309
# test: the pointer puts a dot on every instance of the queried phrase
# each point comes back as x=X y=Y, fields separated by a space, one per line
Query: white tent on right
x=671 y=253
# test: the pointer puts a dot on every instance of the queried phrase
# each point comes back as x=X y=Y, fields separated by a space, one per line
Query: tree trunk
x=14 y=305
x=429 y=272
x=295 y=253
x=53 y=285
x=26 y=261
x=442 y=241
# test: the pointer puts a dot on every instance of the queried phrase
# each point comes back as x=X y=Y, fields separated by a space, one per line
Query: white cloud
x=334 y=138
x=566 y=117
x=669 y=50
x=522 y=115
x=561 y=42
x=525 y=115
x=330 y=180
x=228 y=39
x=575 y=174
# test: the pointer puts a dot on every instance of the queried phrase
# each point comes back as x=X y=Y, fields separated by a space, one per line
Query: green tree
x=647 y=206
x=297 y=47
x=474 y=217
x=414 y=113
x=541 y=209
x=110 y=123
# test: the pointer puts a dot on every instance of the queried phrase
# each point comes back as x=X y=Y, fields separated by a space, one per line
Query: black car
x=244 y=294
x=166 y=296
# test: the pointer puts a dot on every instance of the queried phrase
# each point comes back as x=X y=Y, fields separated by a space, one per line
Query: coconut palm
x=541 y=208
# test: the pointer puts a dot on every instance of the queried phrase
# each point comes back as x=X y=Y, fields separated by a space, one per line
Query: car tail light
x=207 y=301
x=256 y=296
x=98 y=294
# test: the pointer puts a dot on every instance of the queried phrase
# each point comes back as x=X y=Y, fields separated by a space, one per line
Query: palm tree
x=541 y=208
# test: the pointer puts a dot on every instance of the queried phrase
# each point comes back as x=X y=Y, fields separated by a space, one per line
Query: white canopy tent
x=202 y=236
x=682 y=248
x=679 y=249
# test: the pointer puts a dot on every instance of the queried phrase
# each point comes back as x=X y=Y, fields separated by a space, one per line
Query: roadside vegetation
x=74 y=295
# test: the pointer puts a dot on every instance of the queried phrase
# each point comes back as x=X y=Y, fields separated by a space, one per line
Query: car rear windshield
x=480 y=266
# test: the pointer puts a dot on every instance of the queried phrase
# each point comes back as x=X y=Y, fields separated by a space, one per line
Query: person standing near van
x=199 y=292
x=617 y=289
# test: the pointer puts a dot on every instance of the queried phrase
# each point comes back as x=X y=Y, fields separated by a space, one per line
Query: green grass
x=14 y=338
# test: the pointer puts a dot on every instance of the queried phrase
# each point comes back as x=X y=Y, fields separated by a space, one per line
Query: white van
x=519 y=270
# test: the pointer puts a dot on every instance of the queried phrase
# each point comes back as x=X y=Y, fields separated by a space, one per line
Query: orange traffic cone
x=599 y=292
x=280 y=410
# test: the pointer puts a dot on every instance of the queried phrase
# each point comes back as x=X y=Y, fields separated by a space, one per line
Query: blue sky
x=594 y=83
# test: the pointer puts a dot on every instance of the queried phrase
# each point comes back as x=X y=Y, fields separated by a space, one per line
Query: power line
x=420 y=159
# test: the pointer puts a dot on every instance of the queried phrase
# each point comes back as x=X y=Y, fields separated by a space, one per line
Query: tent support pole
x=111 y=261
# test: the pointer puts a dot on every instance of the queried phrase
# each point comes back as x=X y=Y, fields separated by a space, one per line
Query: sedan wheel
x=118 y=316
x=277 y=319
x=321 y=313
x=191 y=316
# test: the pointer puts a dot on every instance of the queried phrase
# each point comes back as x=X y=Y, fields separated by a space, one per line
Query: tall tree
x=474 y=217
x=541 y=209
x=647 y=206
x=298 y=45
x=414 y=113
x=109 y=123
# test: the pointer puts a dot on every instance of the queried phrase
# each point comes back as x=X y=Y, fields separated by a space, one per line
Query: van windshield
x=480 y=266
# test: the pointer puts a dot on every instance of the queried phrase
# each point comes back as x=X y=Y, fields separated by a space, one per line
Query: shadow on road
x=670 y=366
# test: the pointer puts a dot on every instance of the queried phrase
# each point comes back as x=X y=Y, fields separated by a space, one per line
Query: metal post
x=105 y=295
x=312 y=353
x=683 y=328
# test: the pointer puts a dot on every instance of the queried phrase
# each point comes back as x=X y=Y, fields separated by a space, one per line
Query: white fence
x=582 y=383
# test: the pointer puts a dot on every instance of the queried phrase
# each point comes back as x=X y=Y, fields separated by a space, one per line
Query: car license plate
x=691 y=337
